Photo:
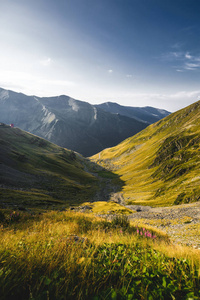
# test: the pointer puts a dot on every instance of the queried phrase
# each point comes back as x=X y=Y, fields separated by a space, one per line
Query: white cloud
x=30 y=84
x=129 y=76
x=188 y=56
x=110 y=71
x=192 y=66
x=46 y=62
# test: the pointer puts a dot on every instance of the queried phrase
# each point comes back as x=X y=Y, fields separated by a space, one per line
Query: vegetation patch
x=60 y=176
x=103 y=207
x=68 y=255
x=184 y=197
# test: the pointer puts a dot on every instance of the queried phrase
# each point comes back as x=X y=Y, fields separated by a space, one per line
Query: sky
x=133 y=52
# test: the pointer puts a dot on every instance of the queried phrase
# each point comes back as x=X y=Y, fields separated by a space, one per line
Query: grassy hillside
x=161 y=164
x=37 y=173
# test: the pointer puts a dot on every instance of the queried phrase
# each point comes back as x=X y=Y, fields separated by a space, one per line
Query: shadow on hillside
x=36 y=174
x=29 y=192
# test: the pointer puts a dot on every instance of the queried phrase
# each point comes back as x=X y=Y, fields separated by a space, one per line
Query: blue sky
x=134 y=52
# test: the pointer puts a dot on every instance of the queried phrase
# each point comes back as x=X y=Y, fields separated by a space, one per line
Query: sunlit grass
x=111 y=207
x=67 y=255
x=160 y=165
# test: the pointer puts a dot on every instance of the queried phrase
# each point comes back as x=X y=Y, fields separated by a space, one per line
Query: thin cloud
x=172 y=56
x=177 y=45
x=110 y=71
x=46 y=62
x=192 y=66
x=184 y=60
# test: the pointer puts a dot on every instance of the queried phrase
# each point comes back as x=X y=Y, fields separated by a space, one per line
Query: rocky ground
x=181 y=223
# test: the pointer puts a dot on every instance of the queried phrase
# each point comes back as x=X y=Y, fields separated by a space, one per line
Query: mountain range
x=74 y=124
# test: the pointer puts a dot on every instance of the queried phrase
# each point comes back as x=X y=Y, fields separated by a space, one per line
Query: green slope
x=35 y=172
x=161 y=164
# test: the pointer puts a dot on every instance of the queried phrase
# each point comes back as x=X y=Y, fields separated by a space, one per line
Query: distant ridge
x=146 y=114
x=161 y=164
x=67 y=122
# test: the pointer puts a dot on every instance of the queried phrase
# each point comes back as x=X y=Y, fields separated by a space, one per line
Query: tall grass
x=67 y=255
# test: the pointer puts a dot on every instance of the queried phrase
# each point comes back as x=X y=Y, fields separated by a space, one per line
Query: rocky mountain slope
x=67 y=122
x=161 y=164
x=145 y=114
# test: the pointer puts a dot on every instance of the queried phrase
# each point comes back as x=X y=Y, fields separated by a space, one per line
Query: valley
x=105 y=227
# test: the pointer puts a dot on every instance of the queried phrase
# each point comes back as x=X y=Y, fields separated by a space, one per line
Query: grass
x=68 y=255
x=160 y=165
x=102 y=207
x=36 y=172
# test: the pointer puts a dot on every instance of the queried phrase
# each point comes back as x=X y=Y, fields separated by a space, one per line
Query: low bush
x=120 y=221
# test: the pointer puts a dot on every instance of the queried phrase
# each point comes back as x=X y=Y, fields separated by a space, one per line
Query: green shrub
x=120 y=221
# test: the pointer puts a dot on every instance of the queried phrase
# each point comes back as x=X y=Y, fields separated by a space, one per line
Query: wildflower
x=137 y=231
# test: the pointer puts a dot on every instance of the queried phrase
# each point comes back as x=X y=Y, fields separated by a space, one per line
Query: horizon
x=134 y=53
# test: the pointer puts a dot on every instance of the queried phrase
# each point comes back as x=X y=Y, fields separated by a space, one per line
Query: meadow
x=73 y=255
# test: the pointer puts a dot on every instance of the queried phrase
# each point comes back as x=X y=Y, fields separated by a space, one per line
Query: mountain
x=37 y=173
x=67 y=122
x=161 y=164
x=145 y=114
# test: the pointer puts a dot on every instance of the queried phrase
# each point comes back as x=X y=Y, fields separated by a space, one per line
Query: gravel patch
x=181 y=223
